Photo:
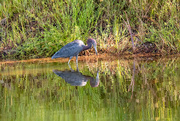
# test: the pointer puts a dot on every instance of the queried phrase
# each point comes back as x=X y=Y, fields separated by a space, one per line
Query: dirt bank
x=91 y=58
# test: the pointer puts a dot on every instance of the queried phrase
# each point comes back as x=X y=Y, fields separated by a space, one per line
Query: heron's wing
x=71 y=49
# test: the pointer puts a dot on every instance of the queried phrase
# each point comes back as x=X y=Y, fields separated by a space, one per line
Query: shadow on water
x=76 y=78
x=139 y=89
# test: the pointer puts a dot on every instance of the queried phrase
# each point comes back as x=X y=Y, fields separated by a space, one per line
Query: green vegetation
x=38 y=28
x=31 y=91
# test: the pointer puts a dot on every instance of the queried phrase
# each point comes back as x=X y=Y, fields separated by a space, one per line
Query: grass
x=33 y=29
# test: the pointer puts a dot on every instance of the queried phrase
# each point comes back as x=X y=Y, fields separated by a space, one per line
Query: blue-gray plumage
x=74 y=48
x=76 y=78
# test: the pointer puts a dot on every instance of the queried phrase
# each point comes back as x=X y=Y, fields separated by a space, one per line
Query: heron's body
x=73 y=77
x=76 y=78
x=70 y=50
x=74 y=48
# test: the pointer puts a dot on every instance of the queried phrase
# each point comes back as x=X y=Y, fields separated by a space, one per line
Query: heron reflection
x=76 y=78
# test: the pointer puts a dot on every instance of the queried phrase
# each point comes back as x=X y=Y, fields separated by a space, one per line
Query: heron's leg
x=69 y=59
x=76 y=59
x=70 y=67
x=77 y=62
x=77 y=69
x=69 y=62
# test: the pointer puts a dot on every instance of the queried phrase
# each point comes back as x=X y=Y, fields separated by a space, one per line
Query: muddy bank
x=92 y=58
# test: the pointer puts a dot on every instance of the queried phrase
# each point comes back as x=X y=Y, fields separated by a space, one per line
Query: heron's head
x=93 y=42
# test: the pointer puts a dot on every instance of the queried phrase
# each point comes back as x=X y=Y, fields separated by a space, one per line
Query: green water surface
x=122 y=90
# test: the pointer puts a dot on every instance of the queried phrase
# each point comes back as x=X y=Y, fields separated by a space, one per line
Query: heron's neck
x=87 y=47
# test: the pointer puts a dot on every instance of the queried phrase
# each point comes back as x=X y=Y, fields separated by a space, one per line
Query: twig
x=149 y=8
x=129 y=28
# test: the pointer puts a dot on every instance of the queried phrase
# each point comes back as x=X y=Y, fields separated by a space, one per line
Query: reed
x=32 y=29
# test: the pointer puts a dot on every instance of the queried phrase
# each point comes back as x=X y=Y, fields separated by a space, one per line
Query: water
x=118 y=89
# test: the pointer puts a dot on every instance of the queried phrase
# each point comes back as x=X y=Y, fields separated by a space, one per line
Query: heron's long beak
x=95 y=49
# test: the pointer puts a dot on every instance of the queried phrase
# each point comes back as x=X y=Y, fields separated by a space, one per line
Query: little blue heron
x=76 y=78
x=74 y=48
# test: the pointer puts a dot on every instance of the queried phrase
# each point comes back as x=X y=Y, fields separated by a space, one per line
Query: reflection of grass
x=43 y=95
x=32 y=29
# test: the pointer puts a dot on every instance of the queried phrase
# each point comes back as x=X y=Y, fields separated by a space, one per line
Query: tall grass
x=31 y=29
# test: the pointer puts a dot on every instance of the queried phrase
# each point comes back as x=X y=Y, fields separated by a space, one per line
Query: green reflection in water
x=127 y=90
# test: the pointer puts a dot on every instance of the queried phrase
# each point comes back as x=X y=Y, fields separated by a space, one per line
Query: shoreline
x=92 y=58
